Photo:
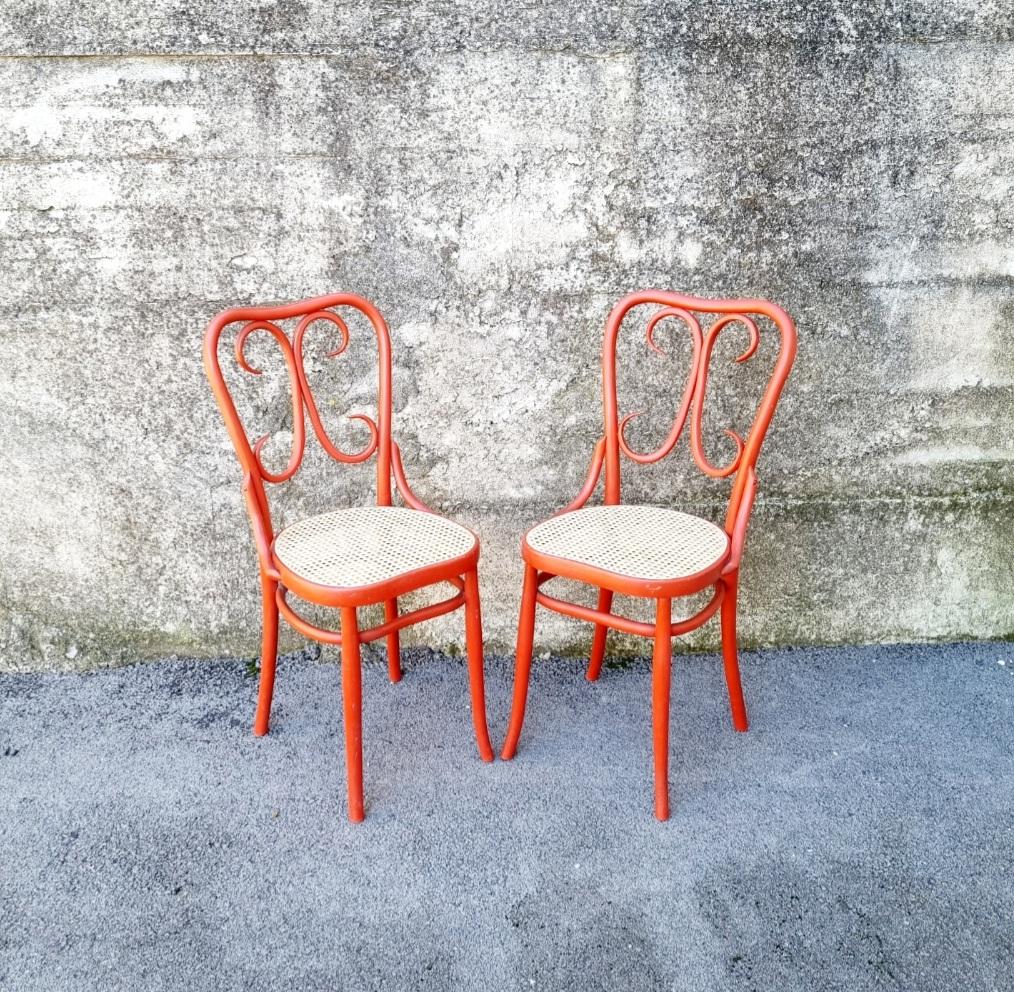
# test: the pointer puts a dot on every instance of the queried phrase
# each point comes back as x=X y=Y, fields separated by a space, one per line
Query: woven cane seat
x=648 y=543
x=364 y=545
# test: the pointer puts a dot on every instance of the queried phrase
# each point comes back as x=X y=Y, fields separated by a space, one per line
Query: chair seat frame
x=277 y=581
x=723 y=574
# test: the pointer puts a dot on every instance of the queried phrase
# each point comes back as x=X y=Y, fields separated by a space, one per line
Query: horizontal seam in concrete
x=458 y=147
x=110 y=159
x=779 y=501
x=902 y=499
x=352 y=49
x=979 y=281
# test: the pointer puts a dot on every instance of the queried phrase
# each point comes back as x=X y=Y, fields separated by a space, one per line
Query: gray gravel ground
x=861 y=836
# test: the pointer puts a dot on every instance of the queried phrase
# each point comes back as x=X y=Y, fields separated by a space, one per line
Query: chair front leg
x=473 y=647
x=730 y=653
x=661 y=678
x=269 y=655
x=598 y=650
x=352 y=703
x=523 y=662
x=393 y=644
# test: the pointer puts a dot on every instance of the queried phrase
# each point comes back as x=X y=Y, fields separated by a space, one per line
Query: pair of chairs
x=367 y=555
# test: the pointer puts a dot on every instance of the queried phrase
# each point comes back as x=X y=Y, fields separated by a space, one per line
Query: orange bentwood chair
x=654 y=551
x=350 y=557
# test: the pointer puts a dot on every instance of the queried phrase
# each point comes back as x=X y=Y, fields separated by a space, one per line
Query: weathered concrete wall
x=494 y=176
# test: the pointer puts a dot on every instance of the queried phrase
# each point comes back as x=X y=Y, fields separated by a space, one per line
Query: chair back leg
x=730 y=653
x=352 y=703
x=393 y=643
x=661 y=677
x=269 y=655
x=523 y=662
x=473 y=647
x=598 y=649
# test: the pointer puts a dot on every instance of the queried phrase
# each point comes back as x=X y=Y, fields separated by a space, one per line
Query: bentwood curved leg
x=598 y=649
x=730 y=654
x=393 y=645
x=269 y=656
x=661 y=677
x=352 y=704
x=523 y=662
x=476 y=681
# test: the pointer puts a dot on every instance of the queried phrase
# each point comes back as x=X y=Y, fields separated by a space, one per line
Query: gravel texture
x=861 y=836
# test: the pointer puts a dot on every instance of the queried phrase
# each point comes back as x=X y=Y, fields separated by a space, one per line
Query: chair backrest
x=688 y=310
x=265 y=320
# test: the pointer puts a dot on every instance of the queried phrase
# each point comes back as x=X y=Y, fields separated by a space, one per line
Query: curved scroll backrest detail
x=702 y=367
x=697 y=337
x=311 y=405
x=298 y=427
x=263 y=319
x=685 y=309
